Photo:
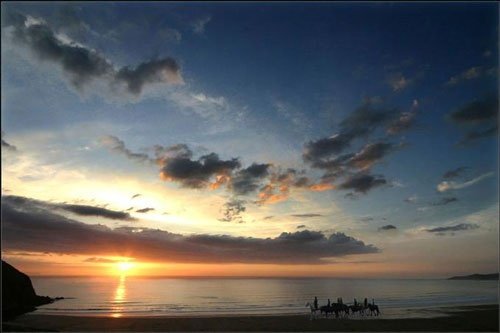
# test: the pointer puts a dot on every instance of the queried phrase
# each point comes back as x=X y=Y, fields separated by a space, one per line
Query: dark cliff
x=18 y=295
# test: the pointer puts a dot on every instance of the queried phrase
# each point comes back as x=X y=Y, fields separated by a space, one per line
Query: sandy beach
x=482 y=318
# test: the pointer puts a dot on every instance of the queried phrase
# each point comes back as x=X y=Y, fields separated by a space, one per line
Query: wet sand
x=483 y=318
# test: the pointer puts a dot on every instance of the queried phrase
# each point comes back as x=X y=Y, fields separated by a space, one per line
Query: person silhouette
x=316 y=302
x=328 y=303
x=366 y=302
x=340 y=300
x=355 y=302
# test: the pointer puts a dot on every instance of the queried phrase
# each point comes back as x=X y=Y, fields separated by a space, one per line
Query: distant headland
x=492 y=276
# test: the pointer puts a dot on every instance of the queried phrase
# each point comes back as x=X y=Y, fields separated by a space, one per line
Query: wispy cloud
x=452 y=185
x=471 y=74
x=200 y=24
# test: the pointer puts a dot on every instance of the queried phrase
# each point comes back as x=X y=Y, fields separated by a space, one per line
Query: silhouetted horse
x=358 y=308
x=327 y=309
x=373 y=309
x=313 y=310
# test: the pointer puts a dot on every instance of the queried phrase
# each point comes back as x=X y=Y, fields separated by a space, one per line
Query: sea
x=176 y=297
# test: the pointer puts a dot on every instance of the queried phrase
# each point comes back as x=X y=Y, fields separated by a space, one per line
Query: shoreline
x=459 y=319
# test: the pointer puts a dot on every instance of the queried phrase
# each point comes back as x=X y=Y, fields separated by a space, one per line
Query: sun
x=124 y=267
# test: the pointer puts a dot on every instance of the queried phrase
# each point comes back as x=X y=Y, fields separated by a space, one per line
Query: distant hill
x=492 y=276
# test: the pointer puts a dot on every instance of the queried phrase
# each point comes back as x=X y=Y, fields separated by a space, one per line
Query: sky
x=250 y=139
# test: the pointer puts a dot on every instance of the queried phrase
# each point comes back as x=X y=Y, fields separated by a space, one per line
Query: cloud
x=362 y=183
x=29 y=228
x=454 y=173
x=451 y=185
x=309 y=215
x=145 y=210
x=458 y=227
x=444 y=201
x=83 y=210
x=153 y=71
x=232 y=211
x=398 y=81
x=302 y=226
x=361 y=122
x=484 y=109
x=404 y=122
x=117 y=145
x=208 y=170
x=329 y=153
x=481 y=134
x=8 y=146
x=100 y=260
x=470 y=74
x=370 y=154
x=199 y=25
x=247 y=180
x=281 y=182
x=412 y=199
x=83 y=64
x=387 y=227
x=136 y=195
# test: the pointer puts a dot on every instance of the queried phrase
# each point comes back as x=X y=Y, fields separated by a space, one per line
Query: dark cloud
x=198 y=173
x=387 y=227
x=8 y=146
x=302 y=226
x=269 y=217
x=315 y=152
x=145 y=210
x=247 y=180
x=310 y=215
x=100 y=260
x=114 y=144
x=232 y=211
x=454 y=173
x=136 y=195
x=83 y=64
x=95 y=211
x=370 y=154
x=30 y=228
x=280 y=182
x=83 y=210
x=362 y=183
x=366 y=118
x=481 y=134
x=458 y=227
x=484 y=109
x=154 y=71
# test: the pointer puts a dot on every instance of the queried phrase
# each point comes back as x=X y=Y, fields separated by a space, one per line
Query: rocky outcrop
x=18 y=295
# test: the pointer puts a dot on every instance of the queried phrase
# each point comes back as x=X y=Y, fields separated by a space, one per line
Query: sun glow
x=124 y=267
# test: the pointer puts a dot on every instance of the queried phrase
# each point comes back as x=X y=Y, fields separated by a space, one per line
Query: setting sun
x=124 y=267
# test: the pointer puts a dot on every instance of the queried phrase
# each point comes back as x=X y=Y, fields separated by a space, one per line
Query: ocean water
x=133 y=296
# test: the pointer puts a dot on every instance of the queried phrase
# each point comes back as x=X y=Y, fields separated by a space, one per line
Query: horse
x=373 y=309
x=313 y=310
x=357 y=308
x=327 y=309
x=344 y=308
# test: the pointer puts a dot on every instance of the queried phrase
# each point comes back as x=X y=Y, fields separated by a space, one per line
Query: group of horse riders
x=342 y=309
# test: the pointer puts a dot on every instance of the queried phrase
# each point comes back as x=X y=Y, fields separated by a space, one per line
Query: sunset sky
x=250 y=139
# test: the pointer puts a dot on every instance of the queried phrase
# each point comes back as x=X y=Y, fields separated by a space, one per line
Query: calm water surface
x=132 y=296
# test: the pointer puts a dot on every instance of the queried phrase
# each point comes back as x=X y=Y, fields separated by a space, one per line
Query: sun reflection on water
x=120 y=294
